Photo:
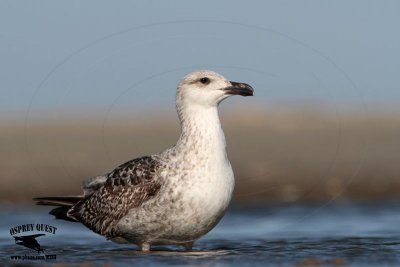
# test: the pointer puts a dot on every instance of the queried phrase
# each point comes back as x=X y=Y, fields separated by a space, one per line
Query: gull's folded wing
x=127 y=187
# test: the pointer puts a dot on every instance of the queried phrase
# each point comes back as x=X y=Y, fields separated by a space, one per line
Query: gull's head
x=207 y=88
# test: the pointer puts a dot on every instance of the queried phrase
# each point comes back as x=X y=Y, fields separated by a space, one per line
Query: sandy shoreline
x=304 y=155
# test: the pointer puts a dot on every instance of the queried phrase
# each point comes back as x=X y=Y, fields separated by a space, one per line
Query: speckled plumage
x=125 y=188
x=173 y=197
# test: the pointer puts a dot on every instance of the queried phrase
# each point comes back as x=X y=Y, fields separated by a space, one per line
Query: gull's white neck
x=201 y=131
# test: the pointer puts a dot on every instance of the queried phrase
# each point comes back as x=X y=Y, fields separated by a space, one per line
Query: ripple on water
x=350 y=235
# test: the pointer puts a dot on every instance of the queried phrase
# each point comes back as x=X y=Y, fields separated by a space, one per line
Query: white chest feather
x=204 y=173
x=197 y=185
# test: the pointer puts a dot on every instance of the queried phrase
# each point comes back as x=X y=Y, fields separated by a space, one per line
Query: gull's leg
x=145 y=247
x=188 y=246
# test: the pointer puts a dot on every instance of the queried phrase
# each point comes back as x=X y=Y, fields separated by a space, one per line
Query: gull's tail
x=63 y=204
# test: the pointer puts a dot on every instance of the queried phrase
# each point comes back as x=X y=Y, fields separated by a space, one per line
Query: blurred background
x=85 y=88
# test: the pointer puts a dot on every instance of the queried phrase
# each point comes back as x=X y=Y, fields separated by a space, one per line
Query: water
x=266 y=235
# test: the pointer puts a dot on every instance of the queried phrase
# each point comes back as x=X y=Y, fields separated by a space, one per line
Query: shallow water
x=275 y=235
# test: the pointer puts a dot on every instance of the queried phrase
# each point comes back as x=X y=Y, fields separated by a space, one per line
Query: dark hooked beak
x=242 y=89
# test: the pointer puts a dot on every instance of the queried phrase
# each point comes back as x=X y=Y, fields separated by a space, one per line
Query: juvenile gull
x=173 y=197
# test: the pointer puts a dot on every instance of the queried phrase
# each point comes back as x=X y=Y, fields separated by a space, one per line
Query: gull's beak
x=242 y=89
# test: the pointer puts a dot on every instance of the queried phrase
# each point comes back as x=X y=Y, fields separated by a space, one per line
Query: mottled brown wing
x=127 y=187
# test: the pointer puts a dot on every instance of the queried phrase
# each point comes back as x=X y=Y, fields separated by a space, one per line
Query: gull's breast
x=204 y=194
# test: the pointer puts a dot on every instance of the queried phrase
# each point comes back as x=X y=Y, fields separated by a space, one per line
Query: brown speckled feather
x=127 y=187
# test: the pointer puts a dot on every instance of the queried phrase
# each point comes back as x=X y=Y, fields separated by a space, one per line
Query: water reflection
x=341 y=234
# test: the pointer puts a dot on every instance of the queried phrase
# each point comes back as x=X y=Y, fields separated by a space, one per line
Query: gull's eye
x=205 y=80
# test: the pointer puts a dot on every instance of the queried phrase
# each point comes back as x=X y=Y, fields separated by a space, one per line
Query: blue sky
x=102 y=54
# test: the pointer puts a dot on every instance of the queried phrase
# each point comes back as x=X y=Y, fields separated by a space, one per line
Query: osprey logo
x=29 y=241
x=26 y=236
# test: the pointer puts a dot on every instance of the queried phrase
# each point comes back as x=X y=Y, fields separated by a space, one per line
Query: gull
x=173 y=197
